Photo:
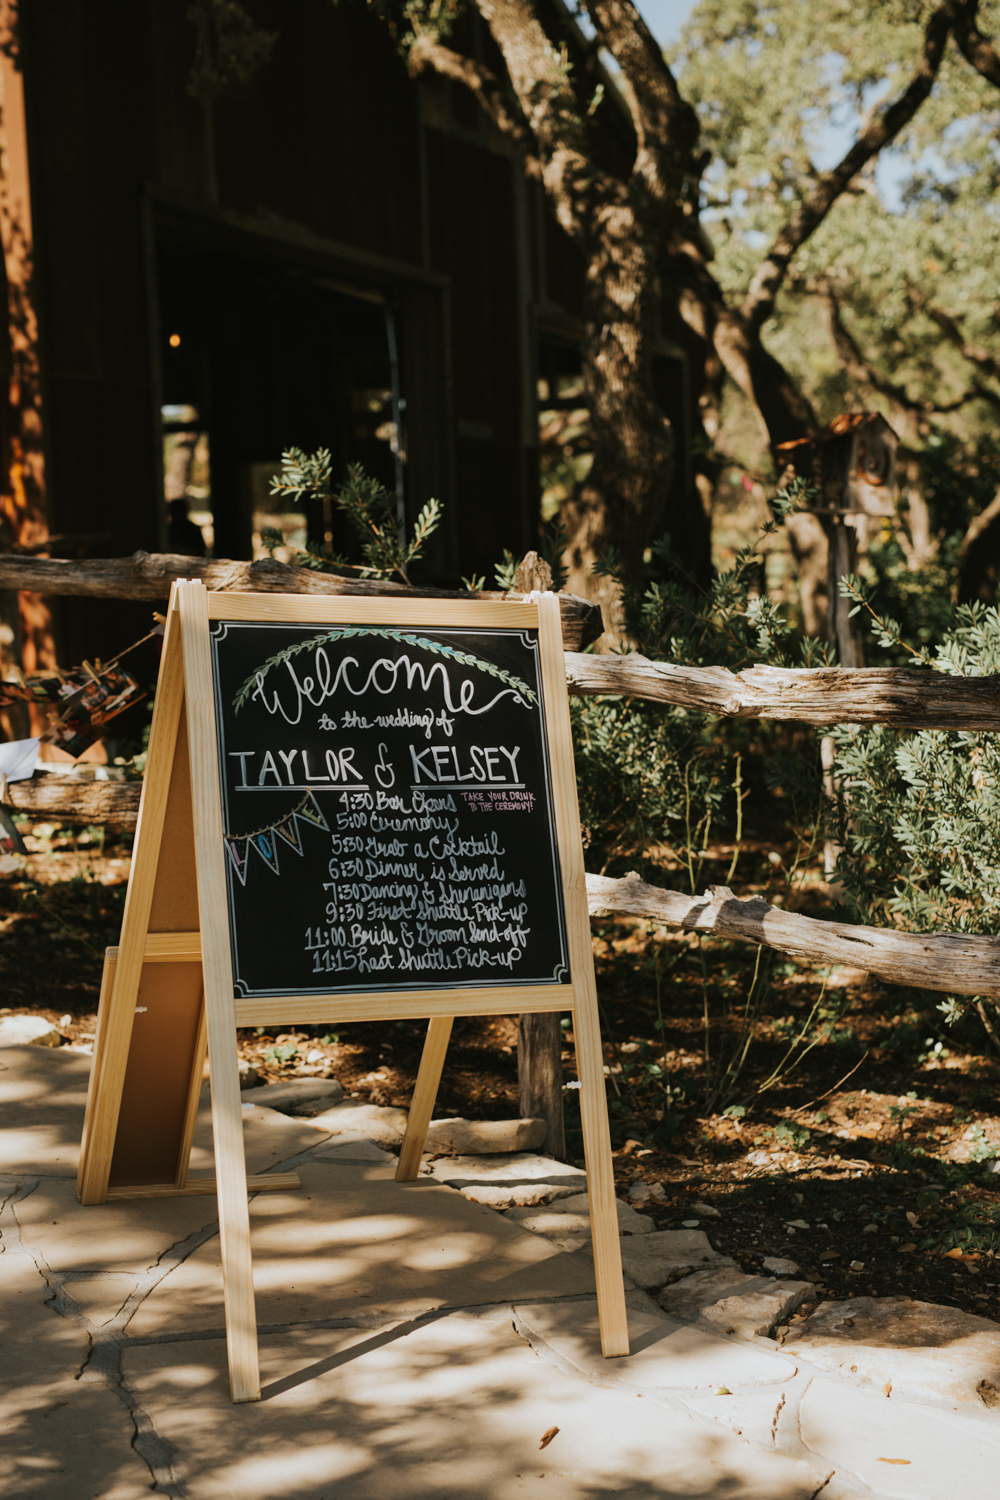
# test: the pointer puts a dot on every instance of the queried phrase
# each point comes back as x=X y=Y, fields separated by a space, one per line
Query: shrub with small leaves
x=919 y=821
x=649 y=774
x=370 y=508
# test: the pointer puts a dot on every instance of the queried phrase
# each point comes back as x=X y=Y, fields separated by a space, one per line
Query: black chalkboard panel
x=387 y=809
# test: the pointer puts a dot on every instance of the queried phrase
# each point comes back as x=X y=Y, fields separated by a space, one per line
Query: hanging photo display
x=387 y=809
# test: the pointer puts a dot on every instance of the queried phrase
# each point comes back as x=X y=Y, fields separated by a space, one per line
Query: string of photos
x=264 y=840
x=86 y=698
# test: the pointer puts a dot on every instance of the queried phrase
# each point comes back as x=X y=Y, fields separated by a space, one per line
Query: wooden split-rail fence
x=903 y=698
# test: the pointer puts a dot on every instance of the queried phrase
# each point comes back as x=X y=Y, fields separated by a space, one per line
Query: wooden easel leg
x=103 y=1010
x=118 y=1006
x=220 y=1012
x=234 y=1215
x=600 y=1176
x=424 y=1095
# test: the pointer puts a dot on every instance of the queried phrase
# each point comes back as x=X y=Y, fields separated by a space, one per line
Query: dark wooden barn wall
x=328 y=138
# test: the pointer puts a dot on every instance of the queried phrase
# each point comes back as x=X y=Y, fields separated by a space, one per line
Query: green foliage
x=781 y=87
x=920 y=813
x=900 y=1113
x=793 y=1137
x=369 y=507
x=651 y=774
x=231 y=47
x=920 y=598
x=281 y=1055
x=959 y=479
x=506 y=570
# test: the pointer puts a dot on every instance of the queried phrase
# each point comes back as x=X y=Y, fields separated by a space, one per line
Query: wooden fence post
x=539 y=1038
x=539 y=1076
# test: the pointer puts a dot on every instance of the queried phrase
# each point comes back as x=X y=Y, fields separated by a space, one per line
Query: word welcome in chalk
x=315 y=679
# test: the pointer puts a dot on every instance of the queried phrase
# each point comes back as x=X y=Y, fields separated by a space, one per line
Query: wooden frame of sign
x=191 y=950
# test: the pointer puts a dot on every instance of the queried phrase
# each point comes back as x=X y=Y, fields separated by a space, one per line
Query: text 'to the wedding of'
x=353 y=810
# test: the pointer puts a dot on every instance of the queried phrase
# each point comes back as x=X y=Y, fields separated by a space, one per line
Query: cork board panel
x=151 y=1123
x=175 y=893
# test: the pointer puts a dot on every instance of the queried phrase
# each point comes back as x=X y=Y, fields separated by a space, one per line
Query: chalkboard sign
x=387 y=809
x=353 y=810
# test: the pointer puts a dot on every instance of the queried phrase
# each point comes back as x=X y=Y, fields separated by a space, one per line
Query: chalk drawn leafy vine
x=464 y=658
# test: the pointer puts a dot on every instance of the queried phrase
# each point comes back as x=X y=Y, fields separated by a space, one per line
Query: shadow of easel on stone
x=345 y=1356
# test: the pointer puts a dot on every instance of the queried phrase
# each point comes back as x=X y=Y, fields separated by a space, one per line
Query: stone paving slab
x=921 y=1350
x=452 y=1405
x=126 y=1236
x=566 y=1222
x=651 y=1259
x=751 y=1415
x=354 y=1148
x=43 y=1092
x=756 y=1314
x=485 y=1137
x=269 y=1137
x=511 y=1181
x=60 y=1438
x=354 y=1241
x=293 y=1092
x=665 y=1355
x=454 y=1408
x=384 y=1126
x=101 y=1298
x=687 y=1298
x=934 y=1455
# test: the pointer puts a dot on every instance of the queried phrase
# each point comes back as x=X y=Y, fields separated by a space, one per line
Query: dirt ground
x=865 y=1157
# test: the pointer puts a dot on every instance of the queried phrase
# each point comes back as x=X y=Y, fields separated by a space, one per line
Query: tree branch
x=974 y=47
x=784 y=411
x=541 y=80
x=666 y=126
x=979 y=524
x=758 y=304
x=983 y=360
x=426 y=53
x=857 y=367
x=976 y=355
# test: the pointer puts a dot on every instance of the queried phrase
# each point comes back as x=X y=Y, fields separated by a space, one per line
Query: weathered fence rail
x=149 y=576
x=952 y=962
x=903 y=697
x=75 y=799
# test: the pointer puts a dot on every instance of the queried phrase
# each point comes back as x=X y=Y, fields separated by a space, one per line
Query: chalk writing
x=385 y=875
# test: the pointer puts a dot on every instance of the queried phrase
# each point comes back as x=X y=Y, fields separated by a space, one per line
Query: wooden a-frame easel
x=167 y=990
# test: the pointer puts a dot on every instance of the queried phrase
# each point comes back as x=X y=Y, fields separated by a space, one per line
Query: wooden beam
x=948 y=961
x=149 y=575
x=200 y=1187
x=902 y=697
x=77 y=799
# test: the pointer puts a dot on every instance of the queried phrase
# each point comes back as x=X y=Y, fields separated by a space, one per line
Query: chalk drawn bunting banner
x=387 y=809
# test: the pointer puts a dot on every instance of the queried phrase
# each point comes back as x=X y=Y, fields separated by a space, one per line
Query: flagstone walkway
x=415 y=1345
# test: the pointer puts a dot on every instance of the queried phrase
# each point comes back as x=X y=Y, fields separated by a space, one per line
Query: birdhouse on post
x=852 y=464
